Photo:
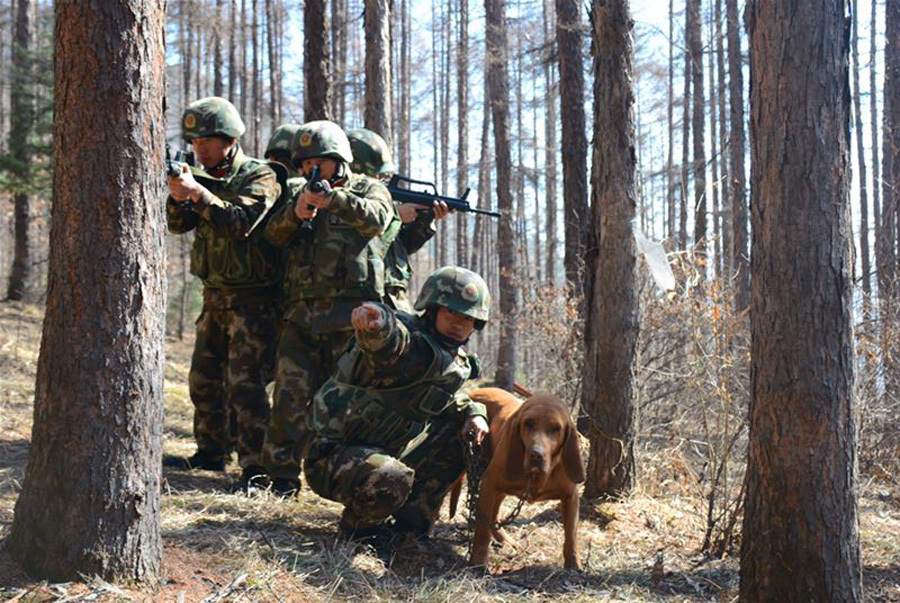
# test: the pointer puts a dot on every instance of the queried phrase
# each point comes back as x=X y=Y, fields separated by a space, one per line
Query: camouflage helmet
x=281 y=139
x=371 y=154
x=320 y=138
x=457 y=289
x=211 y=116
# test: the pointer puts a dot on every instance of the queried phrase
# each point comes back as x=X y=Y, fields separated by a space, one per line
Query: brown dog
x=535 y=456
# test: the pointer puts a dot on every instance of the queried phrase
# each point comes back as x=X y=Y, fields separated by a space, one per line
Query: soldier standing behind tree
x=335 y=240
x=372 y=157
x=236 y=330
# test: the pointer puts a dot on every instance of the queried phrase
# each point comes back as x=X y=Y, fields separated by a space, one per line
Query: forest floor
x=225 y=547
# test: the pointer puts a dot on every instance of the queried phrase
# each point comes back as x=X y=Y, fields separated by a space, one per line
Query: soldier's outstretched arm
x=366 y=206
x=381 y=337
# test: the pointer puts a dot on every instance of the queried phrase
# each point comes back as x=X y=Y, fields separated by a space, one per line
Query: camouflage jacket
x=411 y=238
x=339 y=261
x=391 y=385
x=224 y=256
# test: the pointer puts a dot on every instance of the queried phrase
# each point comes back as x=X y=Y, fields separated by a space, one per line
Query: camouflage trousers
x=374 y=485
x=398 y=299
x=304 y=362
x=230 y=367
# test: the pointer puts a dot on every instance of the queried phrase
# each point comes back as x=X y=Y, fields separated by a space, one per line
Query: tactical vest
x=389 y=418
x=334 y=260
x=219 y=259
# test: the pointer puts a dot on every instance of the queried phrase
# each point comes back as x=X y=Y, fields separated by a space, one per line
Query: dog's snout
x=536 y=456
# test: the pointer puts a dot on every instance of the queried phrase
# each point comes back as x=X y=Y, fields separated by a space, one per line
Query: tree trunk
x=378 y=111
x=90 y=500
x=873 y=123
x=462 y=130
x=723 y=182
x=611 y=333
x=801 y=528
x=574 y=139
x=234 y=40
x=405 y=88
x=21 y=109
x=861 y=158
x=890 y=152
x=274 y=78
x=671 y=230
x=685 y=134
x=316 y=62
x=698 y=108
x=741 y=255
x=497 y=60
x=714 y=159
x=245 y=97
x=256 y=104
x=218 y=71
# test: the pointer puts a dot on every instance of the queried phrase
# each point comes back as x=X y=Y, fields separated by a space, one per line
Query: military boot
x=201 y=459
x=253 y=479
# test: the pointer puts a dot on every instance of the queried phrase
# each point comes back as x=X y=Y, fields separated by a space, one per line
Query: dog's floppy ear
x=571 y=455
x=515 y=450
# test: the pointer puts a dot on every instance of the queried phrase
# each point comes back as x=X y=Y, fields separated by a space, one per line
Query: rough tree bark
x=497 y=60
x=90 y=500
x=801 y=526
x=378 y=111
x=685 y=136
x=21 y=109
x=573 y=143
x=612 y=329
x=740 y=253
x=316 y=62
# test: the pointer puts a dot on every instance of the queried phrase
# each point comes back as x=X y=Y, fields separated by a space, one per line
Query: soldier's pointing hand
x=367 y=317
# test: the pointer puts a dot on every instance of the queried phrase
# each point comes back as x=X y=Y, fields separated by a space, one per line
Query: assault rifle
x=406 y=195
x=316 y=185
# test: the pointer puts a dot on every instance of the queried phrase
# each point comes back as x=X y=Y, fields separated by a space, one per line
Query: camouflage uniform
x=372 y=157
x=388 y=423
x=332 y=264
x=234 y=349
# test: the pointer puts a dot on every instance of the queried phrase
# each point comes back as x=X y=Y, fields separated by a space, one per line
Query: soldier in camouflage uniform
x=335 y=242
x=372 y=156
x=279 y=147
x=234 y=349
x=388 y=423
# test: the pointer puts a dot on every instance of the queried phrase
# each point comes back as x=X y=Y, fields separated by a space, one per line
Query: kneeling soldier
x=388 y=423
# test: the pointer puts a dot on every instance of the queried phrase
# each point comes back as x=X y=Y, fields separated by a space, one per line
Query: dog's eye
x=554 y=429
x=529 y=424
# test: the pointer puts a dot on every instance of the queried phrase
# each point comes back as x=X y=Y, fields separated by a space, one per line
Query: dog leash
x=476 y=464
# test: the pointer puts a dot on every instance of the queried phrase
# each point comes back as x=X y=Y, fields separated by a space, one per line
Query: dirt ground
x=226 y=547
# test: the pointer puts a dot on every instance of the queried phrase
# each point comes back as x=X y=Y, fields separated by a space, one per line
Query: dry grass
x=223 y=547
